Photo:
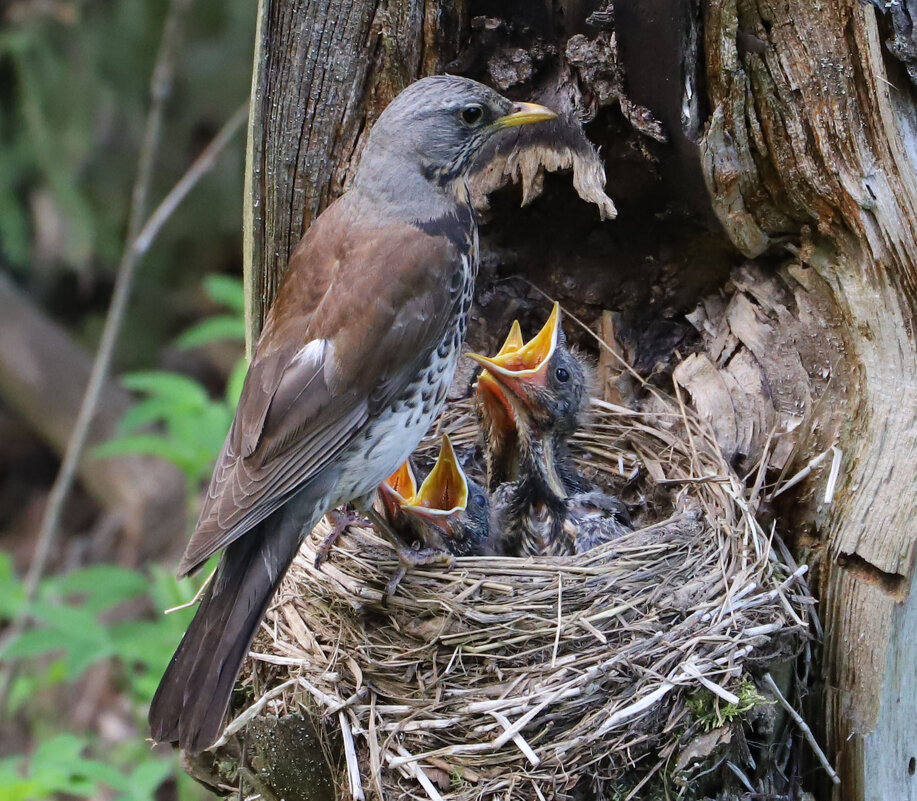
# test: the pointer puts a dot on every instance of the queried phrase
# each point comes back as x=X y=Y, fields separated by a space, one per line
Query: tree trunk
x=764 y=257
x=813 y=138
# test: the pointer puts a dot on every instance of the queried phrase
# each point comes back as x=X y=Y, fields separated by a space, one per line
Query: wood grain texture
x=809 y=133
x=806 y=137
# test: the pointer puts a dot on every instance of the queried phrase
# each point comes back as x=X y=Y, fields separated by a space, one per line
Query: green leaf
x=33 y=642
x=184 y=391
x=62 y=766
x=235 y=382
x=167 y=590
x=11 y=594
x=213 y=329
x=147 y=411
x=103 y=586
x=146 y=779
x=103 y=773
x=71 y=629
x=148 y=445
x=226 y=291
x=148 y=643
x=14 y=786
x=204 y=433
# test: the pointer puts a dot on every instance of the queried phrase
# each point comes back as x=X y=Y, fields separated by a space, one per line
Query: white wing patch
x=312 y=353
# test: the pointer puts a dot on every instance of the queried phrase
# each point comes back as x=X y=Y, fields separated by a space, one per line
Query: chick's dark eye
x=562 y=374
x=472 y=115
x=480 y=500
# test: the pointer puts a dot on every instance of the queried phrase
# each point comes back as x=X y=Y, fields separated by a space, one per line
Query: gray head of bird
x=439 y=125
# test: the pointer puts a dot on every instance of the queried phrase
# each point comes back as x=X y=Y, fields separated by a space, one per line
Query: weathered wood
x=323 y=71
x=796 y=130
x=810 y=132
x=43 y=374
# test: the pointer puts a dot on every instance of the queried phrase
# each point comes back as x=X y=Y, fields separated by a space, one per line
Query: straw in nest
x=530 y=678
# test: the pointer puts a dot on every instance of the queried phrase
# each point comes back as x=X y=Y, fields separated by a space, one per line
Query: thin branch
x=188 y=181
x=137 y=243
x=803 y=726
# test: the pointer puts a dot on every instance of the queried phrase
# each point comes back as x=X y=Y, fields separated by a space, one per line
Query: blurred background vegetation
x=74 y=96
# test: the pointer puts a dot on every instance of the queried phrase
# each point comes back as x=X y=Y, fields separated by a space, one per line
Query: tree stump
x=762 y=160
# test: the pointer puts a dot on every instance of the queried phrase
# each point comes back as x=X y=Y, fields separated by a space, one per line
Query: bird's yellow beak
x=528 y=362
x=514 y=340
x=397 y=490
x=524 y=114
x=445 y=491
x=488 y=388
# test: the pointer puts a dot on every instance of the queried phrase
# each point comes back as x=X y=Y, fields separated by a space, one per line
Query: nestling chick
x=531 y=399
x=449 y=512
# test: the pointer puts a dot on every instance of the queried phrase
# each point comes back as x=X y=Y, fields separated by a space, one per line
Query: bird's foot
x=384 y=527
x=341 y=520
x=416 y=557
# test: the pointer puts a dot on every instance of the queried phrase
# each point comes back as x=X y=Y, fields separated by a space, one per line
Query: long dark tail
x=191 y=701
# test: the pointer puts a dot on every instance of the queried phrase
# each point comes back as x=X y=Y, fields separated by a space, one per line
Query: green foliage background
x=74 y=82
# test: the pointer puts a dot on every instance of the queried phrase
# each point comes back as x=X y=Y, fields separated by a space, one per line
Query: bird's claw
x=341 y=519
x=416 y=557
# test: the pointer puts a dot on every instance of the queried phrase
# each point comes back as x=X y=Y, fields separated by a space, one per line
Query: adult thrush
x=352 y=366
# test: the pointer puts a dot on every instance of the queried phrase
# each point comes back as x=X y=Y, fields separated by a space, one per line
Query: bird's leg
x=341 y=519
x=407 y=557
x=416 y=557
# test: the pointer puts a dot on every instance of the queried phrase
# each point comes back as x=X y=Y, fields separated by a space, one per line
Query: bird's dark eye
x=472 y=114
x=480 y=500
x=562 y=374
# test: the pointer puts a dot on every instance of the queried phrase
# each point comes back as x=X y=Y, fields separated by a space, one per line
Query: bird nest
x=542 y=677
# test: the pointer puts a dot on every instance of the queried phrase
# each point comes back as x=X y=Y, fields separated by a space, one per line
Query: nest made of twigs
x=530 y=678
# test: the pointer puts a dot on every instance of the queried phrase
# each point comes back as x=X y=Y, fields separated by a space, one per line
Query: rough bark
x=42 y=378
x=814 y=134
x=323 y=72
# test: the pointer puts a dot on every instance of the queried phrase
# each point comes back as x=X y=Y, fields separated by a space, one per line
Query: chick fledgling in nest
x=531 y=398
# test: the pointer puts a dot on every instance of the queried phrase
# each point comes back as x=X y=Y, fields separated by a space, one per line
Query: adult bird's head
x=454 y=509
x=437 y=126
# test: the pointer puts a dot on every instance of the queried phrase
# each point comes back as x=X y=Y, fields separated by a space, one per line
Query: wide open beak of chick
x=443 y=496
x=518 y=369
x=487 y=388
x=397 y=490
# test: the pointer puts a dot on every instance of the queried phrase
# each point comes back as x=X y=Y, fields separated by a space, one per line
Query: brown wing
x=358 y=312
